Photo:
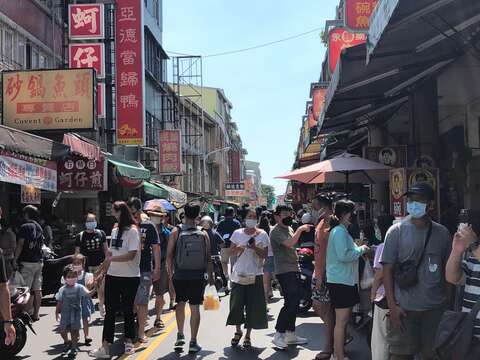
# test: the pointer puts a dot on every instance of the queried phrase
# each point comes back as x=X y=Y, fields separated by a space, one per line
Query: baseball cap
x=423 y=189
x=307 y=218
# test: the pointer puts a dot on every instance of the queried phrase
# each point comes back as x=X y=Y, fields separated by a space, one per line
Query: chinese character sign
x=398 y=187
x=170 y=152
x=76 y=173
x=358 y=12
x=129 y=72
x=234 y=164
x=318 y=100
x=339 y=39
x=101 y=108
x=91 y=55
x=85 y=21
x=48 y=100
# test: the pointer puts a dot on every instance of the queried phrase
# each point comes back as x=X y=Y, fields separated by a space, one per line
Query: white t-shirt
x=249 y=263
x=130 y=241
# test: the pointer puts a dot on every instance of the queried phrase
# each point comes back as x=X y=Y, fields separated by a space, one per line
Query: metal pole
x=204 y=145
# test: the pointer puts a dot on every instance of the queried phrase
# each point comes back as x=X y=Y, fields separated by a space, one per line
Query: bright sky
x=268 y=87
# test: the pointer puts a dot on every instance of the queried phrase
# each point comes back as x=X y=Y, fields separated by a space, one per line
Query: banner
x=398 y=187
x=30 y=195
x=79 y=174
x=85 y=21
x=234 y=164
x=339 y=39
x=87 y=55
x=129 y=72
x=318 y=96
x=358 y=13
x=390 y=155
x=48 y=99
x=23 y=170
x=169 y=152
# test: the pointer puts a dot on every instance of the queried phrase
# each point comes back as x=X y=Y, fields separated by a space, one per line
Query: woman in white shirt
x=247 y=299
x=122 y=268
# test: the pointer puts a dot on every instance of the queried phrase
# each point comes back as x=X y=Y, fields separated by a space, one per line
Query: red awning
x=80 y=146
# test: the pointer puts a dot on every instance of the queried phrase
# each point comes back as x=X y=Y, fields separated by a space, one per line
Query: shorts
x=160 y=286
x=32 y=274
x=190 y=291
x=143 y=291
x=321 y=294
x=269 y=266
x=343 y=296
x=419 y=334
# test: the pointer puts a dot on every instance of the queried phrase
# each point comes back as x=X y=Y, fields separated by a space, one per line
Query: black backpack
x=190 y=249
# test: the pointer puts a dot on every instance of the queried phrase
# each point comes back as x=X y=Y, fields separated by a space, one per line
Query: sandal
x=247 y=343
x=236 y=338
x=159 y=324
x=143 y=340
x=323 y=355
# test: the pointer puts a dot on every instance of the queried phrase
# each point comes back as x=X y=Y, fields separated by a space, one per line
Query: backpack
x=191 y=249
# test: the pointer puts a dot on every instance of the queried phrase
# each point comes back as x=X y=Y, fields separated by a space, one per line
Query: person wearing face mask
x=416 y=306
x=92 y=243
x=247 y=299
x=283 y=241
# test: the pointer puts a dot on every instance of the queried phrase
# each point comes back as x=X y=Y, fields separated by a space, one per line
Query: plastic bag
x=367 y=277
x=16 y=280
x=211 y=300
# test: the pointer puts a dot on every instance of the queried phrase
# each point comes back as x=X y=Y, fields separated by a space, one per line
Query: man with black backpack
x=188 y=259
x=29 y=256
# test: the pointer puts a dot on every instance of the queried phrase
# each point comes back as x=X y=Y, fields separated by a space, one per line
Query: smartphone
x=470 y=217
x=251 y=241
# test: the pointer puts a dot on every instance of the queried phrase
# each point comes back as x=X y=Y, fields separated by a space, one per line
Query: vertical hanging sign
x=129 y=73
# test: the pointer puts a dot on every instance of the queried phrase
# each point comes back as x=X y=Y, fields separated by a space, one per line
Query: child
x=69 y=309
x=85 y=279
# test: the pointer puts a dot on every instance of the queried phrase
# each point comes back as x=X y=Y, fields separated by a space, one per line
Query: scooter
x=306 y=263
x=53 y=266
x=21 y=320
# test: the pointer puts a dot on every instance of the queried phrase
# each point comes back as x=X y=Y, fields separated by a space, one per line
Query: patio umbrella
x=156 y=204
x=345 y=168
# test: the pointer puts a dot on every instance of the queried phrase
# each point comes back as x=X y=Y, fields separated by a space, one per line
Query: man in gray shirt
x=416 y=310
x=283 y=241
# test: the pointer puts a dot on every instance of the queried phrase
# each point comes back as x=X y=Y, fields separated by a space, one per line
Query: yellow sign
x=49 y=99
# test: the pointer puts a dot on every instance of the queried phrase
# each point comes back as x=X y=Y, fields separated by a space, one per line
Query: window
x=42 y=61
x=21 y=52
x=8 y=45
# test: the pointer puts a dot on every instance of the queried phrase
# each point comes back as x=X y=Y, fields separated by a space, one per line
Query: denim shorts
x=143 y=292
x=269 y=265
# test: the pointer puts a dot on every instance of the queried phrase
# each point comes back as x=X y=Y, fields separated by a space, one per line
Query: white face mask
x=156 y=220
x=250 y=223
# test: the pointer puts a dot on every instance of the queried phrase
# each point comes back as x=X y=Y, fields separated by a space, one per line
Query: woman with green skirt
x=247 y=298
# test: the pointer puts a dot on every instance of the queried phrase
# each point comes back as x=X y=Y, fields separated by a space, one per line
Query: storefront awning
x=154 y=190
x=129 y=169
x=81 y=146
x=179 y=198
x=18 y=141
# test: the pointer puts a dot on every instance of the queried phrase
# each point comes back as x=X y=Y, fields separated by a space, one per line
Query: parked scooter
x=21 y=320
x=306 y=263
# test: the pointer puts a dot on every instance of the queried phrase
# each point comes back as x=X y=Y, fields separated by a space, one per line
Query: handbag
x=455 y=334
x=406 y=273
x=241 y=278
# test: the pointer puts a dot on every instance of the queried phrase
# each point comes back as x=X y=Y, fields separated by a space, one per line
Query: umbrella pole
x=347 y=184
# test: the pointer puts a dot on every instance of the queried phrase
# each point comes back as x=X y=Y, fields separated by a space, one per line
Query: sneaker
x=100 y=353
x=129 y=348
x=194 y=347
x=292 y=339
x=179 y=343
x=73 y=352
x=88 y=341
x=279 y=341
x=66 y=347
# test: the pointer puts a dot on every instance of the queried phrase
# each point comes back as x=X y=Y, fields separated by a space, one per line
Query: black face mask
x=288 y=221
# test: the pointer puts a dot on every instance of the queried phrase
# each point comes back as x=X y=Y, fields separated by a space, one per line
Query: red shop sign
x=79 y=174
x=129 y=72
x=91 y=55
x=85 y=21
x=339 y=39
x=318 y=100
x=358 y=13
x=170 y=152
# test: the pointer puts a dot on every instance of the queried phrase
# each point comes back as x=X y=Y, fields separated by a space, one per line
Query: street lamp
x=205 y=157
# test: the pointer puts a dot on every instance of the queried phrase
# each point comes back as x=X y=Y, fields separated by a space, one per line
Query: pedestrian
x=269 y=266
x=420 y=246
x=379 y=343
x=47 y=231
x=8 y=243
x=160 y=285
x=69 y=309
x=342 y=258
x=283 y=240
x=216 y=240
x=247 y=299
x=150 y=255
x=122 y=268
x=29 y=256
x=188 y=270
x=171 y=289
x=226 y=228
x=5 y=309
x=92 y=244
x=320 y=296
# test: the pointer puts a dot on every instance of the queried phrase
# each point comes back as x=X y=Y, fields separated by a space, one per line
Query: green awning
x=130 y=169
x=179 y=198
x=154 y=190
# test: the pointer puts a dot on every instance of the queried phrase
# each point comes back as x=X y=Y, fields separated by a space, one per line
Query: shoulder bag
x=243 y=279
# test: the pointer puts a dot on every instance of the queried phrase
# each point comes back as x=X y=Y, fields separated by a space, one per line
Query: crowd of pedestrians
x=408 y=268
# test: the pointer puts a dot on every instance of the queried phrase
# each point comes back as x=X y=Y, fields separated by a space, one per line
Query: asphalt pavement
x=214 y=337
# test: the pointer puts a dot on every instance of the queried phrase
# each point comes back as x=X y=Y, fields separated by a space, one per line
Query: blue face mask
x=416 y=209
x=91 y=225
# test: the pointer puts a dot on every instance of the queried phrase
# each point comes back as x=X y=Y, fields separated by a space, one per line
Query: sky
x=268 y=87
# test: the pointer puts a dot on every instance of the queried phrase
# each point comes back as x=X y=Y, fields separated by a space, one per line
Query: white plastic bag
x=211 y=300
x=16 y=279
x=367 y=276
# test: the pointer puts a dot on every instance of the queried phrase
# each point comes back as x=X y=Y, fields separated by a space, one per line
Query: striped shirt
x=471 y=267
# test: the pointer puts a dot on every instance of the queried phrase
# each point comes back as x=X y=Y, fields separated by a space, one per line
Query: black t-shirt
x=32 y=234
x=91 y=246
x=228 y=226
x=215 y=241
x=149 y=237
x=3 y=272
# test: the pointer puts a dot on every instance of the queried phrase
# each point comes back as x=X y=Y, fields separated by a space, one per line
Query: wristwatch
x=8 y=322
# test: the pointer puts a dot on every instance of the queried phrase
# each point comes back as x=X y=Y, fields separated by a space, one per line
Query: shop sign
x=235 y=186
x=358 y=13
x=87 y=55
x=48 y=99
x=235 y=193
x=393 y=156
x=339 y=39
x=24 y=170
x=318 y=96
x=85 y=21
x=129 y=72
x=234 y=164
x=170 y=152
x=101 y=108
x=378 y=22
x=79 y=174
x=30 y=195
x=398 y=187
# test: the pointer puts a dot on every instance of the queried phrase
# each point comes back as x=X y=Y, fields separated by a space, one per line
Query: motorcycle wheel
x=305 y=298
x=8 y=352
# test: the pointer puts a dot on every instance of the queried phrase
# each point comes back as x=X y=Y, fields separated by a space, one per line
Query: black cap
x=423 y=189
